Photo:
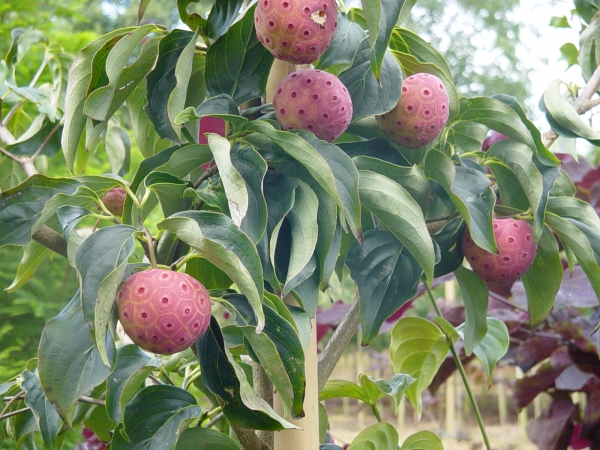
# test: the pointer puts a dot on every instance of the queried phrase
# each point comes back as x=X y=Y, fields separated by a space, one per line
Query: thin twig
x=45 y=141
x=10 y=155
x=13 y=413
x=93 y=401
x=215 y=419
x=156 y=380
x=506 y=302
x=12 y=400
x=207 y=174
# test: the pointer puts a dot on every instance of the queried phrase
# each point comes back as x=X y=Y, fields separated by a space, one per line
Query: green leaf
x=576 y=209
x=279 y=352
x=475 y=298
x=543 y=279
x=118 y=148
x=22 y=206
x=143 y=130
x=217 y=239
x=398 y=211
x=193 y=20
x=100 y=101
x=569 y=53
x=448 y=239
x=467 y=136
x=100 y=261
x=422 y=440
x=496 y=115
x=386 y=275
x=47 y=135
x=588 y=47
x=518 y=158
x=418 y=349
x=381 y=436
x=166 y=81
x=221 y=378
x=142 y=9
x=221 y=16
x=155 y=418
x=131 y=369
x=205 y=439
x=470 y=193
x=45 y=414
x=409 y=42
x=243 y=74
x=208 y=274
x=233 y=183
x=573 y=237
x=370 y=96
x=381 y=17
x=80 y=75
x=410 y=178
x=69 y=363
x=565 y=116
x=173 y=193
x=33 y=255
x=395 y=387
x=344 y=388
x=342 y=48
x=22 y=41
x=492 y=347
x=252 y=168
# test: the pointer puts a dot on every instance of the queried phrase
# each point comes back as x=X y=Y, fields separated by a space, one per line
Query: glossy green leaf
x=574 y=208
x=398 y=211
x=492 y=347
x=470 y=193
x=100 y=261
x=33 y=255
x=45 y=414
x=448 y=239
x=381 y=436
x=279 y=351
x=69 y=363
x=208 y=274
x=418 y=349
x=221 y=379
x=143 y=130
x=467 y=136
x=221 y=16
x=342 y=48
x=370 y=96
x=543 y=279
x=381 y=17
x=173 y=194
x=155 y=418
x=205 y=439
x=410 y=178
x=193 y=20
x=475 y=298
x=386 y=275
x=131 y=369
x=80 y=74
x=510 y=190
x=422 y=440
x=166 y=82
x=252 y=169
x=243 y=74
x=496 y=115
x=217 y=239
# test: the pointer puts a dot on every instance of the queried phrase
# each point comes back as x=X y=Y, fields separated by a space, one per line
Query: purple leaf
x=534 y=350
x=552 y=430
x=591 y=416
x=572 y=379
x=576 y=291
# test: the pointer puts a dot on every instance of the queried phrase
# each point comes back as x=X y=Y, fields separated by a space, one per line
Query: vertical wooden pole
x=522 y=417
x=307 y=437
x=451 y=405
x=502 y=406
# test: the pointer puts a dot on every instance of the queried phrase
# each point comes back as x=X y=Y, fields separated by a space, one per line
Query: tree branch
x=51 y=239
x=338 y=343
x=248 y=439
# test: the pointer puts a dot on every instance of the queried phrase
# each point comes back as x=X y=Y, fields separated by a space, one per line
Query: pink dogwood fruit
x=516 y=252
x=420 y=115
x=313 y=100
x=296 y=31
x=114 y=200
x=163 y=311
x=491 y=140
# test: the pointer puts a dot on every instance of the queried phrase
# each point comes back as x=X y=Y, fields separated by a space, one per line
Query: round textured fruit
x=163 y=311
x=114 y=200
x=516 y=252
x=296 y=31
x=491 y=140
x=421 y=113
x=313 y=100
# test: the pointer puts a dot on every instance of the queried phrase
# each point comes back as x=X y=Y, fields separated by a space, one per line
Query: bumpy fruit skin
x=296 y=31
x=114 y=199
x=491 y=140
x=420 y=115
x=313 y=100
x=163 y=311
x=516 y=252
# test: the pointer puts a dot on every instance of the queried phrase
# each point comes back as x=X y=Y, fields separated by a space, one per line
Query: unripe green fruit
x=313 y=100
x=163 y=311
x=516 y=252
x=420 y=115
x=114 y=200
x=296 y=31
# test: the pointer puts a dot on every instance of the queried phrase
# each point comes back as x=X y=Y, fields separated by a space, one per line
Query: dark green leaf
x=475 y=298
x=131 y=369
x=154 y=418
x=346 y=39
x=192 y=20
x=448 y=240
x=208 y=274
x=467 y=136
x=368 y=95
x=47 y=138
x=222 y=15
x=386 y=275
x=243 y=74
x=173 y=193
x=205 y=439
x=45 y=414
x=69 y=362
